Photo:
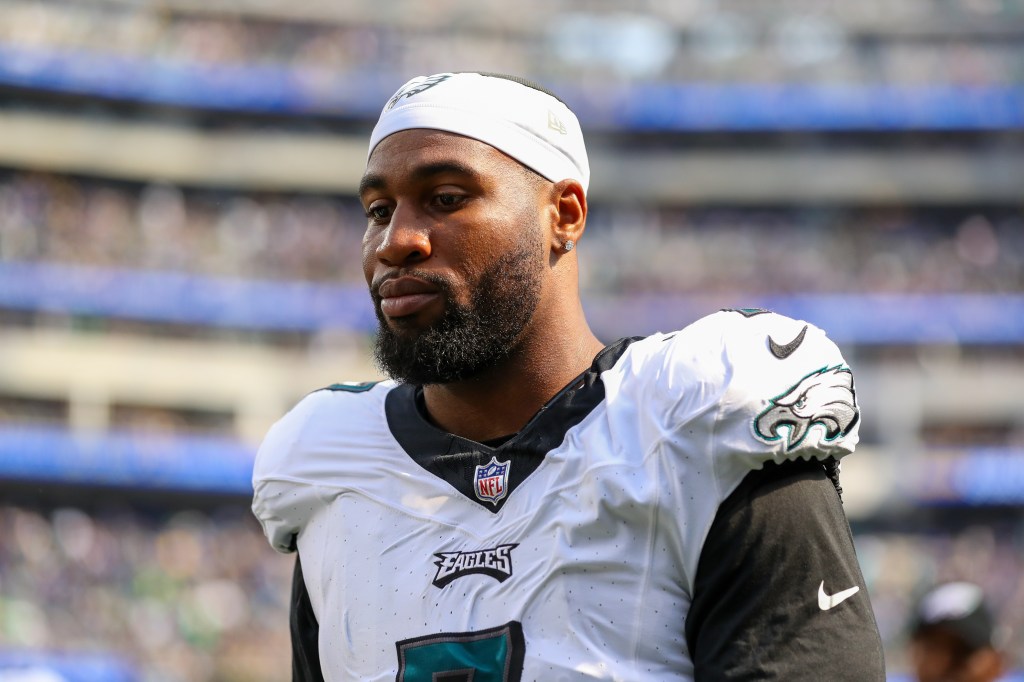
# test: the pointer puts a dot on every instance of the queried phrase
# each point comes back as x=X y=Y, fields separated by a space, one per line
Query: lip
x=403 y=296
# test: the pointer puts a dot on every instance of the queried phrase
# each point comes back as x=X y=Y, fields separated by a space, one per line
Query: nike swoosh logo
x=784 y=350
x=829 y=601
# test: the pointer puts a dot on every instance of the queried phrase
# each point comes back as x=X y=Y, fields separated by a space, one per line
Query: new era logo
x=556 y=124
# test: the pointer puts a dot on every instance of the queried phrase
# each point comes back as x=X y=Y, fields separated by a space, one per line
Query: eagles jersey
x=665 y=517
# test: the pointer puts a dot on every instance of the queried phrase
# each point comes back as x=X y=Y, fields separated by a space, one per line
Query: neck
x=501 y=400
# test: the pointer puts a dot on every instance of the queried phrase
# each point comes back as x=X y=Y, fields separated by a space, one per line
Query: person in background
x=953 y=636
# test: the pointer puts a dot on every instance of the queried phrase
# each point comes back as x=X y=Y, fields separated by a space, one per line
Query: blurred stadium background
x=178 y=265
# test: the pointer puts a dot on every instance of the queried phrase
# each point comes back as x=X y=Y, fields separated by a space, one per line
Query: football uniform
x=665 y=517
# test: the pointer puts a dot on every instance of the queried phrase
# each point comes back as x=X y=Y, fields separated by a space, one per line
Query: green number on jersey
x=493 y=655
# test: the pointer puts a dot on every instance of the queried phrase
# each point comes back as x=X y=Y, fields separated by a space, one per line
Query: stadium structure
x=179 y=241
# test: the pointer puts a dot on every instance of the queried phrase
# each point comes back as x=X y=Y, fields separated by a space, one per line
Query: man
x=953 y=636
x=523 y=502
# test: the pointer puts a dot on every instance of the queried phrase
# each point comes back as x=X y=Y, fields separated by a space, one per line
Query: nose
x=405 y=241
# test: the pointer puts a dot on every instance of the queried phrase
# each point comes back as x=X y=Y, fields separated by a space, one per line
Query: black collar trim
x=455 y=459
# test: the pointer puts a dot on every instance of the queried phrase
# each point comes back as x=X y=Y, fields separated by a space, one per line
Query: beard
x=466 y=339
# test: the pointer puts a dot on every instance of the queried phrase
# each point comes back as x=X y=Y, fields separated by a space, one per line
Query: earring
x=568 y=245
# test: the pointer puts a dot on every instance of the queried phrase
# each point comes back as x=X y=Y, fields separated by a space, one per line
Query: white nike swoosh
x=828 y=601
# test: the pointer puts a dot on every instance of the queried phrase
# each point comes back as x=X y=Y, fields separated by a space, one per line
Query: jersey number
x=493 y=655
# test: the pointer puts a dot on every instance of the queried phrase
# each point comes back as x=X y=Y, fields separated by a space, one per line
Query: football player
x=521 y=501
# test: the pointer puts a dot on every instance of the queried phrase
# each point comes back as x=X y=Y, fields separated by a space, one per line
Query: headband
x=530 y=125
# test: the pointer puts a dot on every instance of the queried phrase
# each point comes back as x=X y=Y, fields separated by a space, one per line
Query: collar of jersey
x=455 y=459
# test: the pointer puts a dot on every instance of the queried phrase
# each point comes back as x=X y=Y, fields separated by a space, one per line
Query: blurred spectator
x=953 y=636
x=987 y=553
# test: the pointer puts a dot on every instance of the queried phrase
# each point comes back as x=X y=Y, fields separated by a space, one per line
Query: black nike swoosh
x=783 y=351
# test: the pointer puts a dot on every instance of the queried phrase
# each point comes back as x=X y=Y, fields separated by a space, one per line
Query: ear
x=570 y=216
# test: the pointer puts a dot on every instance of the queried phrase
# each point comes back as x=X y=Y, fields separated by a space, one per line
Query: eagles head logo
x=825 y=397
x=415 y=87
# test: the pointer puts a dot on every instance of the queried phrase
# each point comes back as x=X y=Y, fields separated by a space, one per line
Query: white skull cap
x=530 y=125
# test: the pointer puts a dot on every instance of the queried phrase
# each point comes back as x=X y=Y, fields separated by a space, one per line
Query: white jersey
x=568 y=552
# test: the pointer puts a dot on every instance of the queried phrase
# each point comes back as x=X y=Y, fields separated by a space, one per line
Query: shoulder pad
x=304 y=449
x=771 y=388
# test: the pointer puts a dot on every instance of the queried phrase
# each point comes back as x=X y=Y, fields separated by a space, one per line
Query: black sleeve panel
x=305 y=632
x=756 y=612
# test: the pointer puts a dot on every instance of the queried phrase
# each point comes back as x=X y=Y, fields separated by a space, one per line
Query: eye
x=449 y=199
x=378 y=213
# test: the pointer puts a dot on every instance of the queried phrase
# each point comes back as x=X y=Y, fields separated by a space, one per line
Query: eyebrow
x=426 y=171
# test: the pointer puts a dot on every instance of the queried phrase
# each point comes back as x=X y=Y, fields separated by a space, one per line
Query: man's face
x=939 y=655
x=453 y=253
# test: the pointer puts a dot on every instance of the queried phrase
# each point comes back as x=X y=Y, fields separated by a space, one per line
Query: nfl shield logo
x=491 y=481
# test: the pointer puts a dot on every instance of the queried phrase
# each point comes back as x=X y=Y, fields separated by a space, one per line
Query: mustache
x=443 y=284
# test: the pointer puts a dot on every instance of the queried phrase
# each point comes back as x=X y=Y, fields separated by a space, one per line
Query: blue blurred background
x=179 y=244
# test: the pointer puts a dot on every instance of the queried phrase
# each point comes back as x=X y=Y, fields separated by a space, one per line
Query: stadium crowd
x=689 y=42
x=189 y=596
x=183 y=597
x=57 y=219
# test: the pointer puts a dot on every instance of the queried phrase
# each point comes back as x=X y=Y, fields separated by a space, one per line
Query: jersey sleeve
x=759 y=388
x=779 y=594
x=759 y=402
x=312 y=453
x=282 y=501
